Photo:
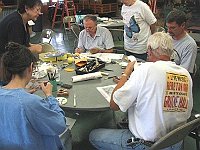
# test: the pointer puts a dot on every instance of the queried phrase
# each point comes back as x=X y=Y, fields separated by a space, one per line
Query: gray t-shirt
x=187 y=50
x=102 y=40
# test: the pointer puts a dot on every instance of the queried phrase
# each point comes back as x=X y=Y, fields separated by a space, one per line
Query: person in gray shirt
x=184 y=44
x=94 y=38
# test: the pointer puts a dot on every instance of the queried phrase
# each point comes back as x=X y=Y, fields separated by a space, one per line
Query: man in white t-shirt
x=94 y=38
x=139 y=25
x=184 y=44
x=157 y=96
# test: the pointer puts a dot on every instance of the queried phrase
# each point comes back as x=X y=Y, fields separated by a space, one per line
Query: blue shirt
x=28 y=122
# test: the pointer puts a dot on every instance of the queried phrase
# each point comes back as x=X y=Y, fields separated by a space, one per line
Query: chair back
x=68 y=20
x=176 y=135
x=46 y=47
x=46 y=35
x=75 y=29
x=118 y=39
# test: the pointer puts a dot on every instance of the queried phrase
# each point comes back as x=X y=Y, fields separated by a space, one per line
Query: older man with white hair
x=153 y=98
x=93 y=38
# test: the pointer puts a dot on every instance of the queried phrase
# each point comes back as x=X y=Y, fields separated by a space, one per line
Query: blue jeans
x=116 y=139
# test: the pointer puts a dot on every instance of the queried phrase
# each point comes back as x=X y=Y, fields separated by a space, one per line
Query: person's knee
x=93 y=135
x=97 y=135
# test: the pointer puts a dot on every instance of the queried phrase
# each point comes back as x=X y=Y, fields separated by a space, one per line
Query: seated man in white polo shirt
x=157 y=96
x=94 y=38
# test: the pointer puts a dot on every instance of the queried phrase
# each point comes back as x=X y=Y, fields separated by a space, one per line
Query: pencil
x=74 y=100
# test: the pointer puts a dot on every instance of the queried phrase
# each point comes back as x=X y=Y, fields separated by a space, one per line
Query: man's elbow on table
x=113 y=105
x=109 y=50
x=98 y=50
x=79 y=50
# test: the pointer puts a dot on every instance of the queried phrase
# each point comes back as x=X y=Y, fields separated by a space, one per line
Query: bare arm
x=122 y=81
x=153 y=28
x=79 y=50
x=108 y=51
x=97 y=50
x=35 y=48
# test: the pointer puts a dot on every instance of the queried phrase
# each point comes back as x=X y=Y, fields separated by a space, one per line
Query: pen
x=110 y=77
x=74 y=100
x=107 y=69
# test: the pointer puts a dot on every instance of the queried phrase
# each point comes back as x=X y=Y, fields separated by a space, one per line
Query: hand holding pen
x=46 y=88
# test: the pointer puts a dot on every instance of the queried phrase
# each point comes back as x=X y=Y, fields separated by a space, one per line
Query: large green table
x=88 y=98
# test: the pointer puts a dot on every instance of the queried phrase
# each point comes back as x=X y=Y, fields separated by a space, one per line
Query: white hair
x=161 y=42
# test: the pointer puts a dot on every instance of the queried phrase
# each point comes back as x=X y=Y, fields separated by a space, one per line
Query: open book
x=106 y=91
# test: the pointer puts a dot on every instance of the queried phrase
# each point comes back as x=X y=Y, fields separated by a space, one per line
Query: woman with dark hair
x=14 y=27
x=28 y=122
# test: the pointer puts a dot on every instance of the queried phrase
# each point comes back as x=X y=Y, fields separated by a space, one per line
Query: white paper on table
x=106 y=91
x=86 y=76
x=136 y=65
x=103 y=18
x=131 y=58
x=108 y=55
x=103 y=56
x=103 y=24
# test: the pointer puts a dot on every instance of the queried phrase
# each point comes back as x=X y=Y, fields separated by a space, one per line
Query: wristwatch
x=125 y=75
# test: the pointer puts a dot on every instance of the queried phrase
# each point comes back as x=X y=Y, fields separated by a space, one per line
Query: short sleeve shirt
x=138 y=14
x=187 y=50
x=102 y=40
x=158 y=97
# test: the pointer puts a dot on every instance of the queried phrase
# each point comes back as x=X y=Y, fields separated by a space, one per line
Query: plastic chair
x=67 y=20
x=176 y=135
x=118 y=38
x=46 y=35
x=76 y=31
x=196 y=132
x=46 y=47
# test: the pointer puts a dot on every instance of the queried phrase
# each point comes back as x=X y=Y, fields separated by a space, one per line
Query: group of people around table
x=139 y=24
x=147 y=92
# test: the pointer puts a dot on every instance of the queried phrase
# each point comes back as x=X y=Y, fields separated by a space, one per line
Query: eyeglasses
x=90 y=28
